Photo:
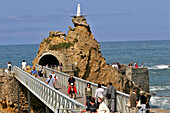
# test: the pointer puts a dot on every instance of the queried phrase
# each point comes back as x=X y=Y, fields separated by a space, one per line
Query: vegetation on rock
x=47 y=40
x=75 y=40
x=52 y=36
x=60 y=46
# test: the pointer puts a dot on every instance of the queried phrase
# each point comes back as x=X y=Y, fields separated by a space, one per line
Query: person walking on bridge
x=102 y=106
x=50 y=81
x=99 y=91
x=71 y=80
x=93 y=108
x=111 y=97
x=88 y=94
x=33 y=72
x=40 y=70
x=54 y=76
x=72 y=91
x=133 y=101
x=143 y=101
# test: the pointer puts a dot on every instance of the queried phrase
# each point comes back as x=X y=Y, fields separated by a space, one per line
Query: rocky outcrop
x=57 y=33
x=84 y=52
x=8 y=93
x=9 y=99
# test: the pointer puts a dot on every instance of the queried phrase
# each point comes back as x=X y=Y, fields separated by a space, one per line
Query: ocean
x=153 y=54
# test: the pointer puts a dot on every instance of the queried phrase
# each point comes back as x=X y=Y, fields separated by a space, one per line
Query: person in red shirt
x=72 y=91
x=136 y=65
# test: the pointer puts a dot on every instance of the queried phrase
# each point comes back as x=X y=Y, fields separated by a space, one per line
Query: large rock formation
x=80 y=48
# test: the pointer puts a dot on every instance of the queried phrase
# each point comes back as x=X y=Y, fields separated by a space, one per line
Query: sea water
x=153 y=54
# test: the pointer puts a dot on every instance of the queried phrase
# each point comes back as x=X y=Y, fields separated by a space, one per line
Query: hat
x=72 y=84
x=142 y=92
x=101 y=97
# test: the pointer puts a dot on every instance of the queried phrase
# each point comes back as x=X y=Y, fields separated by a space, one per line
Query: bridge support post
x=18 y=96
x=46 y=109
x=29 y=107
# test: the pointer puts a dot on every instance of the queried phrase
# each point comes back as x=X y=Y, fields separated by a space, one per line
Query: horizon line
x=97 y=41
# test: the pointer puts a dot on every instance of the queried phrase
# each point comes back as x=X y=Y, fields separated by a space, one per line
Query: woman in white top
x=54 y=76
x=24 y=65
x=102 y=106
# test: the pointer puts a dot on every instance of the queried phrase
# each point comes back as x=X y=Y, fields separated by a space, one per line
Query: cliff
x=79 y=48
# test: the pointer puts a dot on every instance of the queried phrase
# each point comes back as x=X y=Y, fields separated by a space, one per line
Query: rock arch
x=49 y=59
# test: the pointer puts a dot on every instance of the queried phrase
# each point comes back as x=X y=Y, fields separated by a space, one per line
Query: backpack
x=109 y=95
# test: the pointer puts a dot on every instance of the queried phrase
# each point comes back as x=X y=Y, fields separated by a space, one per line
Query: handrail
x=52 y=98
x=121 y=98
x=67 y=75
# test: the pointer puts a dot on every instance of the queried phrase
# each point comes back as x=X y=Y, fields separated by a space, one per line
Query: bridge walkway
x=80 y=98
x=58 y=100
x=121 y=98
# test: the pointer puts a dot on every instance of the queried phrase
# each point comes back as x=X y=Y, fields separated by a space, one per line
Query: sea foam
x=162 y=102
x=159 y=88
x=159 y=67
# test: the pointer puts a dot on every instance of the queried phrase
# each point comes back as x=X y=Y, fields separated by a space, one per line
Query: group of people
x=96 y=104
x=116 y=65
x=9 y=66
x=138 y=103
x=39 y=72
x=136 y=64
x=59 y=67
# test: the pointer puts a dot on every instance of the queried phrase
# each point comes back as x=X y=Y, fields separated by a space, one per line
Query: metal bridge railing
x=55 y=100
x=65 y=68
x=121 y=98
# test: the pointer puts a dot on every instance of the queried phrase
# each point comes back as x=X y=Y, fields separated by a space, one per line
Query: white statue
x=78 y=10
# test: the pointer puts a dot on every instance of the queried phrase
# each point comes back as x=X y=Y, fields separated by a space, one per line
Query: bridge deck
x=63 y=89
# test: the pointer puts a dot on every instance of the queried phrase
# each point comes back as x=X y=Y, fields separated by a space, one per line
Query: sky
x=29 y=21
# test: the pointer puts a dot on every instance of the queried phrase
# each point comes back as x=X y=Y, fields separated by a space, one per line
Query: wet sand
x=159 y=111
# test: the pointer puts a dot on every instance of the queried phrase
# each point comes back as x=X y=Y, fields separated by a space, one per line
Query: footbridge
x=57 y=99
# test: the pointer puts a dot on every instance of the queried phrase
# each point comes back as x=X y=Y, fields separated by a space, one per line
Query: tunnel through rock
x=49 y=59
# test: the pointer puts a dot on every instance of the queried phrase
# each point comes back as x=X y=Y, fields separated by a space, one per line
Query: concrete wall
x=140 y=76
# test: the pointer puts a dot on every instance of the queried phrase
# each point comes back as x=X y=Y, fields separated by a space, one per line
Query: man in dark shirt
x=71 y=80
x=93 y=108
x=143 y=101
x=110 y=94
x=133 y=100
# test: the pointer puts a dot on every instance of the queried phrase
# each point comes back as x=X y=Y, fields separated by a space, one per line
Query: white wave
x=160 y=67
x=159 y=88
x=162 y=102
x=153 y=72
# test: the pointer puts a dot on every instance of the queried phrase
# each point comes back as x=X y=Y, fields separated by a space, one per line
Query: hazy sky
x=29 y=21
